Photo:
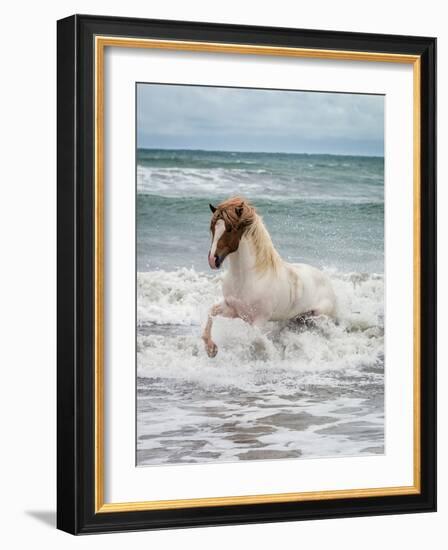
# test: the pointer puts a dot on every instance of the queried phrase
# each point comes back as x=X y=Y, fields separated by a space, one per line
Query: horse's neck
x=242 y=262
x=253 y=259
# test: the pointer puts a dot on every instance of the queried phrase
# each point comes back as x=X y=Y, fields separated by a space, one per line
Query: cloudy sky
x=232 y=119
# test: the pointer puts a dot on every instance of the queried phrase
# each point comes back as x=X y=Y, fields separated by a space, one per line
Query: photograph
x=259 y=274
x=246 y=268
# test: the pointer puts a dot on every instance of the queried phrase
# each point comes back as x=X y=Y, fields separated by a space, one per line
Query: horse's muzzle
x=214 y=262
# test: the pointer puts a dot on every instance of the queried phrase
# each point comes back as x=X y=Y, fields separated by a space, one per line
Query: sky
x=237 y=119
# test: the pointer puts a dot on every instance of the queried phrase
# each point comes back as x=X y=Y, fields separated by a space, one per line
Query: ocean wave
x=254 y=181
x=174 y=298
x=186 y=181
x=172 y=307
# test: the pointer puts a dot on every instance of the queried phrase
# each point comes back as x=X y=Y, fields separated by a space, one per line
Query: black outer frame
x=75 y=294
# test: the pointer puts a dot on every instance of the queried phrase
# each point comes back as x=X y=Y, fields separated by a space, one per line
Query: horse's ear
x=212 y=208
x=239 y=210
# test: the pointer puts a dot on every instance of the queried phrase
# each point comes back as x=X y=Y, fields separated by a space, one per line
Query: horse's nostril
x=217 y=261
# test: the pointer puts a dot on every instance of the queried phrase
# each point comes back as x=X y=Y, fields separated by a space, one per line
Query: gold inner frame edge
x=101 y=42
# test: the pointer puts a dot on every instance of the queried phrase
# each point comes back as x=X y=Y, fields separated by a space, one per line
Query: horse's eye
x=228 y=229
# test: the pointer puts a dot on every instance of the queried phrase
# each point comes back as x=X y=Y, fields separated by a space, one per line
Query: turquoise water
x=321 y=209
x=277 y=391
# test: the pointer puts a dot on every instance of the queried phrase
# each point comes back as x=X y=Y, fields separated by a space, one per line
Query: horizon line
x=256 y=152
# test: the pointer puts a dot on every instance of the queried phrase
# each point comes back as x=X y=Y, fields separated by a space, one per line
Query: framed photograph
x=246 y=274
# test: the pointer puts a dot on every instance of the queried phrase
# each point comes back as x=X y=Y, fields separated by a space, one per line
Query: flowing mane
x=266 y=255
x=236 y=211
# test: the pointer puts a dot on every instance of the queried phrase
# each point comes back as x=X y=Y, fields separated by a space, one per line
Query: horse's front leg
x=224 y=310
x=253 y=314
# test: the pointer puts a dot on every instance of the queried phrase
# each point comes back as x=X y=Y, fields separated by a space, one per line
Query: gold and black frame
x=82 y=41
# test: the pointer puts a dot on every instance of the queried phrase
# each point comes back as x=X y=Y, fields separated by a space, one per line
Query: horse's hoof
x=212 y=349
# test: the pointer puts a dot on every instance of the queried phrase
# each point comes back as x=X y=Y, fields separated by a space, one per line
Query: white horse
x=259 y=286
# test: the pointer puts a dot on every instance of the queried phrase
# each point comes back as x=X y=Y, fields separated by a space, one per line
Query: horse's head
x=227 y=226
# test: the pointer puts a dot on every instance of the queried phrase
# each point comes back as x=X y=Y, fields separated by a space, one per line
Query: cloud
x=174 y=116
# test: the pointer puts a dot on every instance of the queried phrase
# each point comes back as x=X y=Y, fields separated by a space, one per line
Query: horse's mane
x=239 y=212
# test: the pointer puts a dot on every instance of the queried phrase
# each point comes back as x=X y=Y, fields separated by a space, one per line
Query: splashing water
x=283 y=390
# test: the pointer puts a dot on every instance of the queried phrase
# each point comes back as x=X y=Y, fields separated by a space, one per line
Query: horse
x=259 y=285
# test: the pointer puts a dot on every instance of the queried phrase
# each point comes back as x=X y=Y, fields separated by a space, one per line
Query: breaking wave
x=172 y=308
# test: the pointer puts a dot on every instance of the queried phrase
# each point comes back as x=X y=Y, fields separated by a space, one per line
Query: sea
x=284 y=390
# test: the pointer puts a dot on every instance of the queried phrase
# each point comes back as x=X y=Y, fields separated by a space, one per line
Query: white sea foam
x=197 y=181
x=251 y=182
x=172 y=307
